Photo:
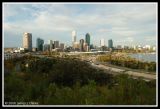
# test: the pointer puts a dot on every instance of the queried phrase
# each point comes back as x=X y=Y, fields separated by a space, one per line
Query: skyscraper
x=62 y=46
x=39 y=44
x=87 y=39
x=110 y=43
x=102 y=42
x=73 y=37
x=50 y=42
x=46 y=47
x=81 y=44
x=27 y=41
x=56 y=44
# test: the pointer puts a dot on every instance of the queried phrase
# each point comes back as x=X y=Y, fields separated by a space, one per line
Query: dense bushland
x=67 y=81
x=129 y=62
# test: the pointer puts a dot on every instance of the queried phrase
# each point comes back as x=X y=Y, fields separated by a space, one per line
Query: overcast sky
x=126 y=24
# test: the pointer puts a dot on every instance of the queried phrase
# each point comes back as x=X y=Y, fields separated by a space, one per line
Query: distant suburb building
x=27 y=41
x=76 y=46
x=85 y=46
x=81 y=44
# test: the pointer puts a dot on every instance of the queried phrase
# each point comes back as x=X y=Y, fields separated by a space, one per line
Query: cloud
x=56 y=21
x=150 y=38
x=125 y=41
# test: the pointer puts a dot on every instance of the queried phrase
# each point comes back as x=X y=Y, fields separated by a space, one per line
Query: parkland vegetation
x=69 y=81
x=126 y=61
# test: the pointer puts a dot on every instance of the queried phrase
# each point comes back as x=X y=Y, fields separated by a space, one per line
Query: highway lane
x=116 y=71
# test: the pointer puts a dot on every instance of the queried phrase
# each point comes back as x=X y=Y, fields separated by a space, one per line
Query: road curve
x=134 y=74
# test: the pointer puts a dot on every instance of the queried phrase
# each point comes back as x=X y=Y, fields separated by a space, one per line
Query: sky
x=126 y=24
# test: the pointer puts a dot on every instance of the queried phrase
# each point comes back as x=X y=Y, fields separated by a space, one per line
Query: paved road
x=116 y=71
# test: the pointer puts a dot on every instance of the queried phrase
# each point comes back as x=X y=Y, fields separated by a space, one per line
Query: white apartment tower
x=102 y=42
x=73 y=37
x=27 y=41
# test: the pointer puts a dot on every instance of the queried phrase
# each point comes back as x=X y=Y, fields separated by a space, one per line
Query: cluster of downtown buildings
x=40 y=46
x=83 y=45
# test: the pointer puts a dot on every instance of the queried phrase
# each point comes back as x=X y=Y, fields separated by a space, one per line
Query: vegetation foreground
x=126 y=61
x=67 y=81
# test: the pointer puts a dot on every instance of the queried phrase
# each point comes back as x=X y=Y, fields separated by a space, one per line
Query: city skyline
x=123 y=23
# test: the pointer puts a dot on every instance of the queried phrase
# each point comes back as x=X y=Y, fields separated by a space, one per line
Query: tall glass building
x=110 y=43
x=39 y=44
x=87 y=40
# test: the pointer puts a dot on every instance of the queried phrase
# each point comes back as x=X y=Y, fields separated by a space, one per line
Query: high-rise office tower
x=62 y=46
x=39 y=44
x=73 y=37
x=50 y=42
x=27 y=41
x=56 y=44
x=81 y=44
x=110 y=43
x=87 y=39
x=102 y=42
x=46 y=47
